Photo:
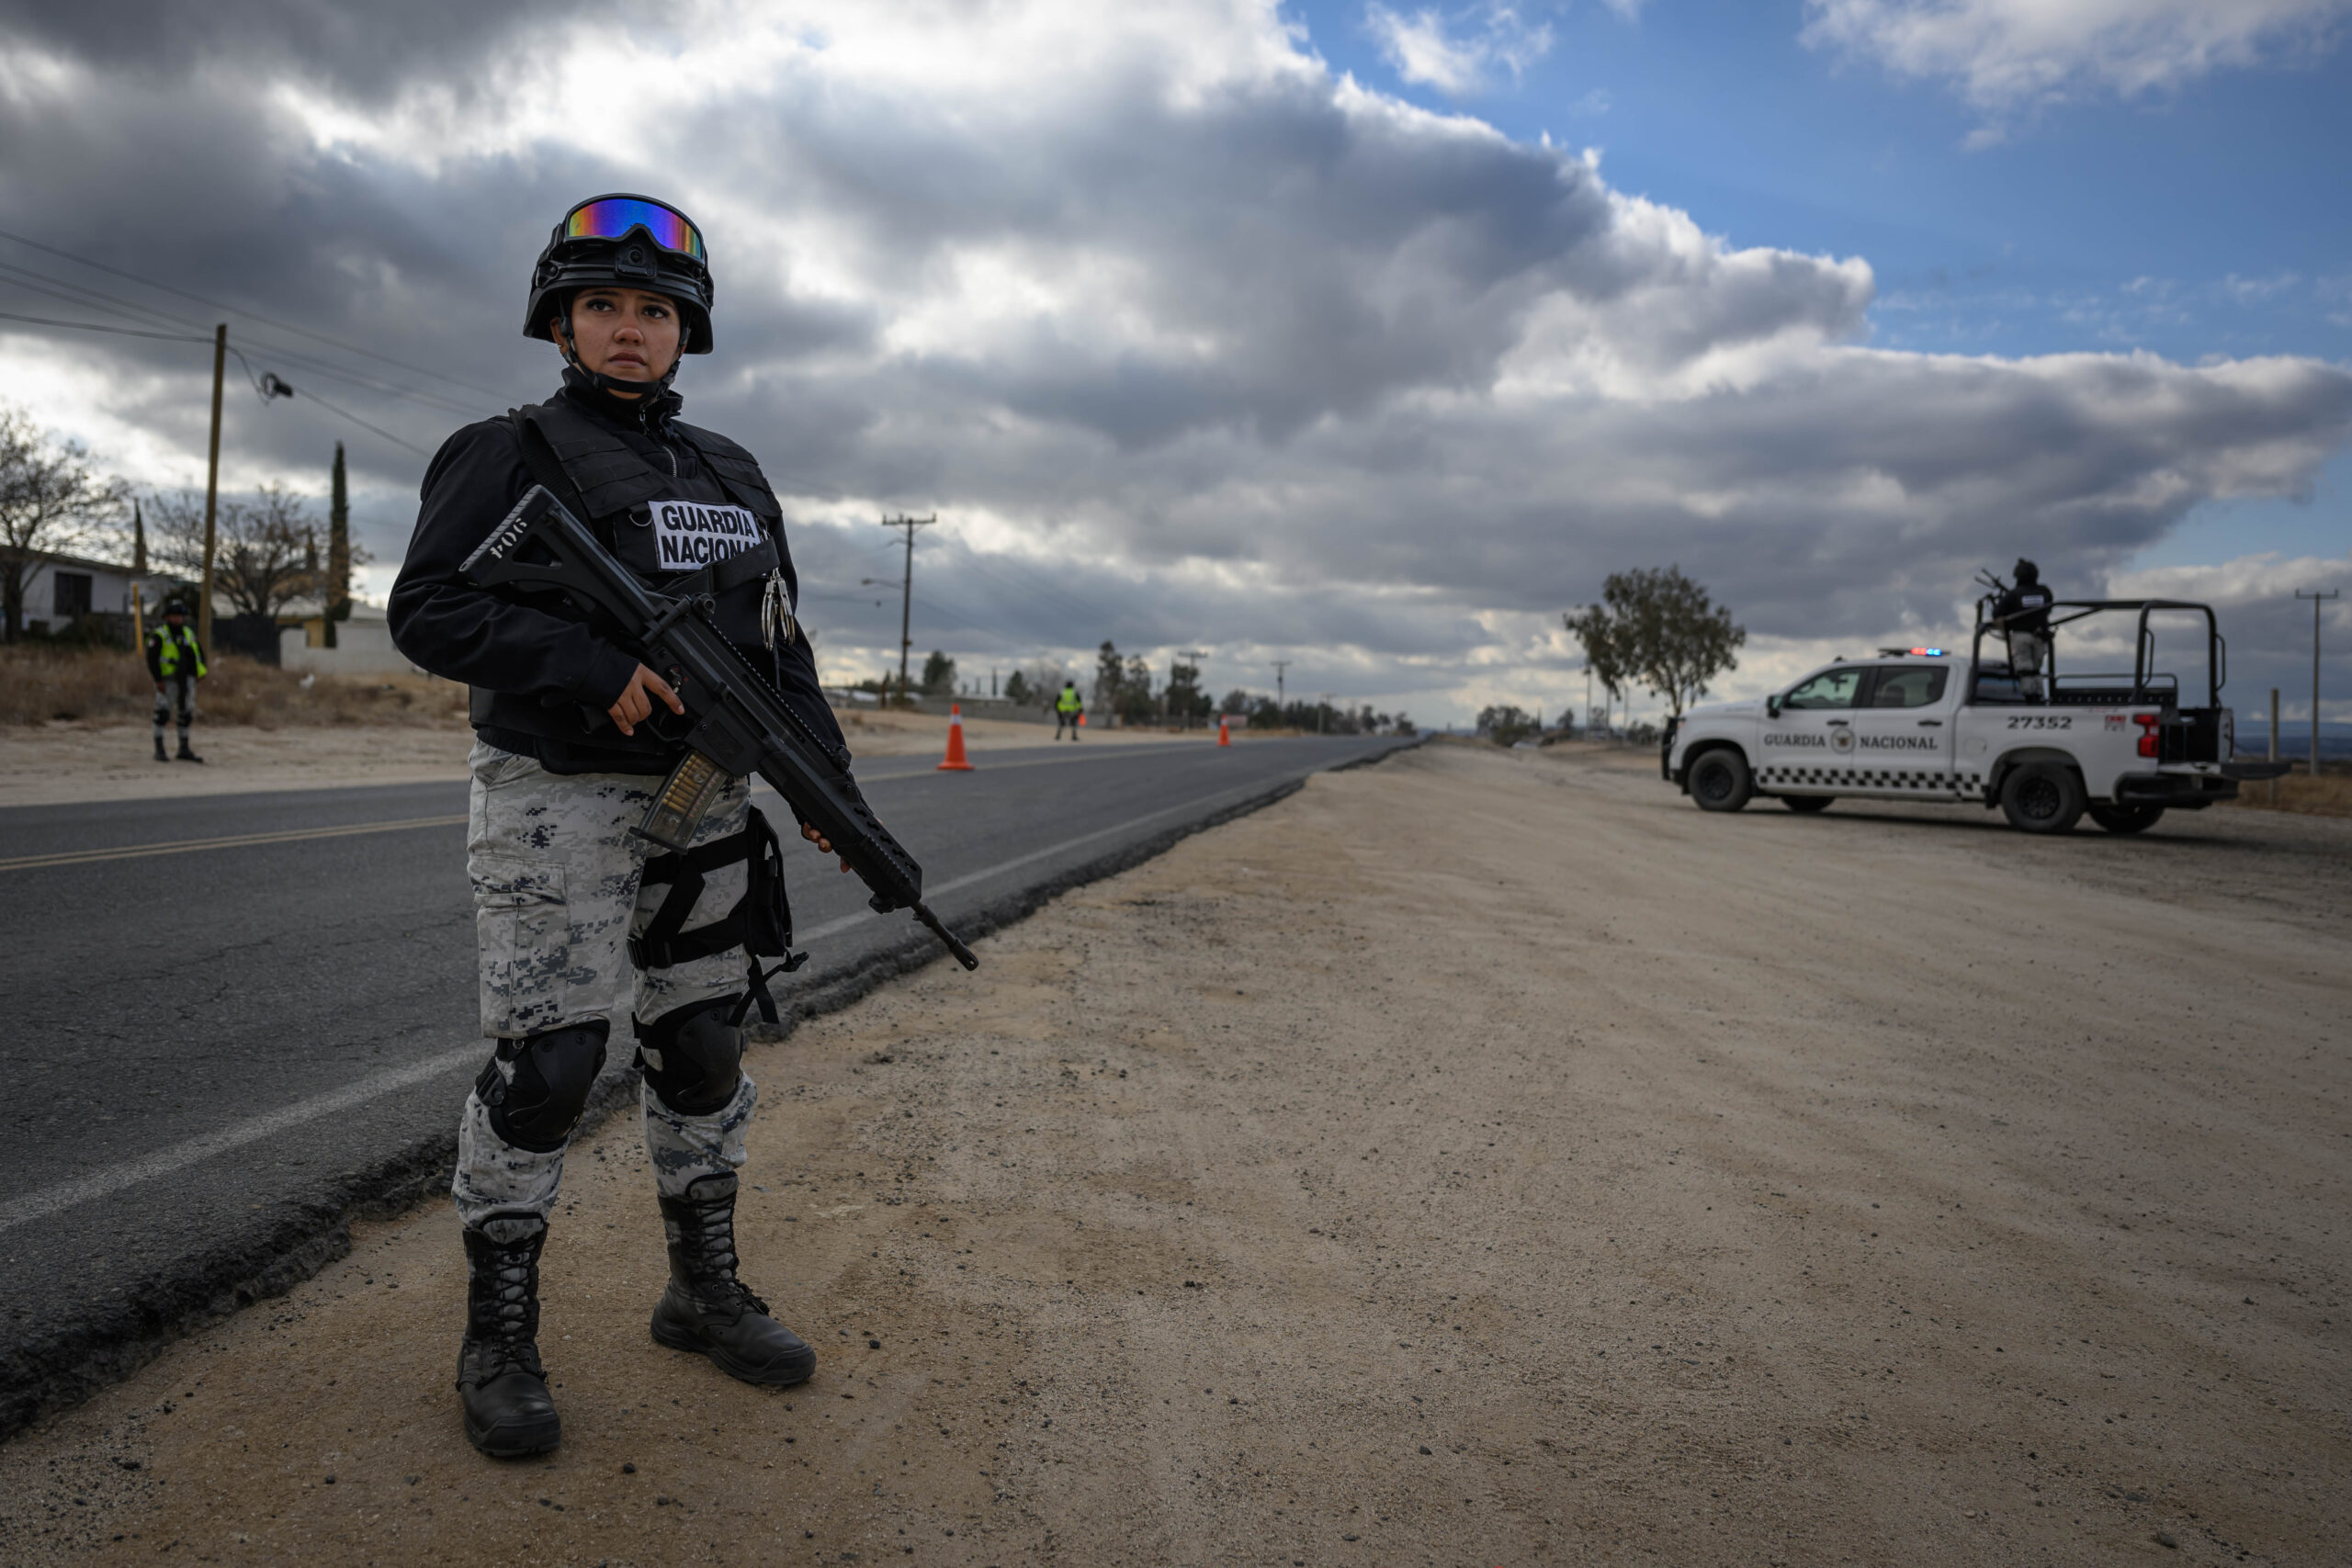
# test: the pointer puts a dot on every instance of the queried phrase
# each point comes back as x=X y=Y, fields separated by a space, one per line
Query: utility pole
x=2316 y=597
x=211 y=495
x=907 y=592
x=1280 y=665
x=1195 y=655
x=2274 y=741
x=1322 y=707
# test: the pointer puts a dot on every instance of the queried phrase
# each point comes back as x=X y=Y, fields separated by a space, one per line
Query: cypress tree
x=337 y=597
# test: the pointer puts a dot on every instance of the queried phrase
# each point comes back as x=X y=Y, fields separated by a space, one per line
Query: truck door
x=1902 y=732
x=1808 y=745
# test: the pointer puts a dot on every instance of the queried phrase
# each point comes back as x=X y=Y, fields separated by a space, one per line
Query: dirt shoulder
x=1593 y=1179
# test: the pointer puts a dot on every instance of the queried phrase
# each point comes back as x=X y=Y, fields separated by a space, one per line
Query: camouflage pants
x=184 y=686
x=2028 y=653
x=557 y=894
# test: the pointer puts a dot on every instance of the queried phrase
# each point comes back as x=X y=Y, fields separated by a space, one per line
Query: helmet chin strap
x=610 y=384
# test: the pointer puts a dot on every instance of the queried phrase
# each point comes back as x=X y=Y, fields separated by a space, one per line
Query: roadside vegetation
x=39 y=684
x=2330 y=795
x=1657 y=628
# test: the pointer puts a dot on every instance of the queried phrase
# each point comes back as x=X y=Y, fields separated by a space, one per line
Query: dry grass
x=2330 y=795
x=39 y=684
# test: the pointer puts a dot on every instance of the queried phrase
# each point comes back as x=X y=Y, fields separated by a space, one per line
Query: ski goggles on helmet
x=612 y=217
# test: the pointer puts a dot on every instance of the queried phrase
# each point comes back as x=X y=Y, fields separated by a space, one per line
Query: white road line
x=66 y=1194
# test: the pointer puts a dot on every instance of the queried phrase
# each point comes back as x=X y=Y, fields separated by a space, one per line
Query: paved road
x=230 y=1018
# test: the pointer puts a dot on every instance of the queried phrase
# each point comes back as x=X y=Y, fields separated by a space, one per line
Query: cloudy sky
x=1366 y=336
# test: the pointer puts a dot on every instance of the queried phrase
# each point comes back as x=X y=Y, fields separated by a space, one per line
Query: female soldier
x=567 y=751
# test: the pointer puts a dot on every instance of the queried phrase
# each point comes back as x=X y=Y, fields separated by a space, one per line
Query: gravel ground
x=1477 y=1159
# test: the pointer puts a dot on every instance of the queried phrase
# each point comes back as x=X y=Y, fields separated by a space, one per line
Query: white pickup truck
x=1925 y=724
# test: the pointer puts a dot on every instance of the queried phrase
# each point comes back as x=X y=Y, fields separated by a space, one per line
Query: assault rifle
x=1990 y=579
x=735 y=724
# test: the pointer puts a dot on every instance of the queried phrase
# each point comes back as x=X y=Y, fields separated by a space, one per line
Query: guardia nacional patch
x=690 y=534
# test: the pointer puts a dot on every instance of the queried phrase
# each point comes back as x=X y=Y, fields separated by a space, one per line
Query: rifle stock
x=737 y=724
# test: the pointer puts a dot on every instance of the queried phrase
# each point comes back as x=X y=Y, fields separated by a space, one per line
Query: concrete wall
x=362 y=648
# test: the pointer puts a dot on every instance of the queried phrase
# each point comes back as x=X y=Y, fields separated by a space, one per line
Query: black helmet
x=2026 y=572
x=623 y=242
x=172 y=607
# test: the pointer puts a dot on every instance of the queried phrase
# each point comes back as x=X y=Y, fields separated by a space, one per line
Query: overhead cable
x=100 y=327
x=255 y=315
x=75 y=293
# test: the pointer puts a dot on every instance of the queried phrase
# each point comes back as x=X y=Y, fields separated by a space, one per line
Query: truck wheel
x=2042 y=797
x=1807 y=805
x=1719 y=780
x=2126 y=819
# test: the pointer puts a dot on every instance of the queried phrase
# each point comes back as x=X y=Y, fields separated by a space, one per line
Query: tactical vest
x=171 y=645
x=640 y=514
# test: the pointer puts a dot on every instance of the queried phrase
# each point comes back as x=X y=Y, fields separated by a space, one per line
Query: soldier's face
x=629 y=335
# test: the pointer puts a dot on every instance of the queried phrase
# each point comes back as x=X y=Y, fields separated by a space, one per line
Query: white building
x=65 y=587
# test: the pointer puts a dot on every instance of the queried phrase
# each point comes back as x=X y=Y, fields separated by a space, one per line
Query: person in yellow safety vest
x=1067 y=709
x=176 y=661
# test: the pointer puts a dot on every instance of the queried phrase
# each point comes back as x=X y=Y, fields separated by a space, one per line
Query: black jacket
x=542 y=676
x=2025 y=608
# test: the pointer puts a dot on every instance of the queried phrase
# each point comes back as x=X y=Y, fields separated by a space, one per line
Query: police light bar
x=1928 y=652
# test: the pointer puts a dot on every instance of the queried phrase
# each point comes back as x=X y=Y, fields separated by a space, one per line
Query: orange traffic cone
x=1223 y=736
x=956 y=762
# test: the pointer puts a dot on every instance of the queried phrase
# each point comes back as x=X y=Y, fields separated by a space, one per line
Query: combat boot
x=186 y=753
x=509 y=1413
x=706 y=1309
x=161 y=755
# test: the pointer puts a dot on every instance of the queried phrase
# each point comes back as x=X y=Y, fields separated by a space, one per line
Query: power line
x=258 y=383
x=270 y=386
x=58 y=288
x=254 y=315
x=99 y=327
x=74 y=293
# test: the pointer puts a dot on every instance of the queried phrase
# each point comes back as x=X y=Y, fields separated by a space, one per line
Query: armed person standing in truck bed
x=570 y=746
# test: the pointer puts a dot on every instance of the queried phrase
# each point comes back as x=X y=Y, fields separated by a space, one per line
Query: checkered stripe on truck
x=1870 y=778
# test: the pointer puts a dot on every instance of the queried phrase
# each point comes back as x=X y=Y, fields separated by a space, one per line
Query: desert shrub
x=97 y=685
x=2330 y=795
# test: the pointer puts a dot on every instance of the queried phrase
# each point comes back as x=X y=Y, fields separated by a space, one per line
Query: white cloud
x=2011 y=56
x=1189 y=342
x=1460 y=56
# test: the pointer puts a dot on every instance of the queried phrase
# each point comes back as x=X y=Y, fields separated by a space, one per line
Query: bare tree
x=49 y=501
x=1041 y=679
x=266 y=550
x=1657 y=626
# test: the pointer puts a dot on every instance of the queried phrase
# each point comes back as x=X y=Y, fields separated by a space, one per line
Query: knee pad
x=537 y=1087
x=692 y=1056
